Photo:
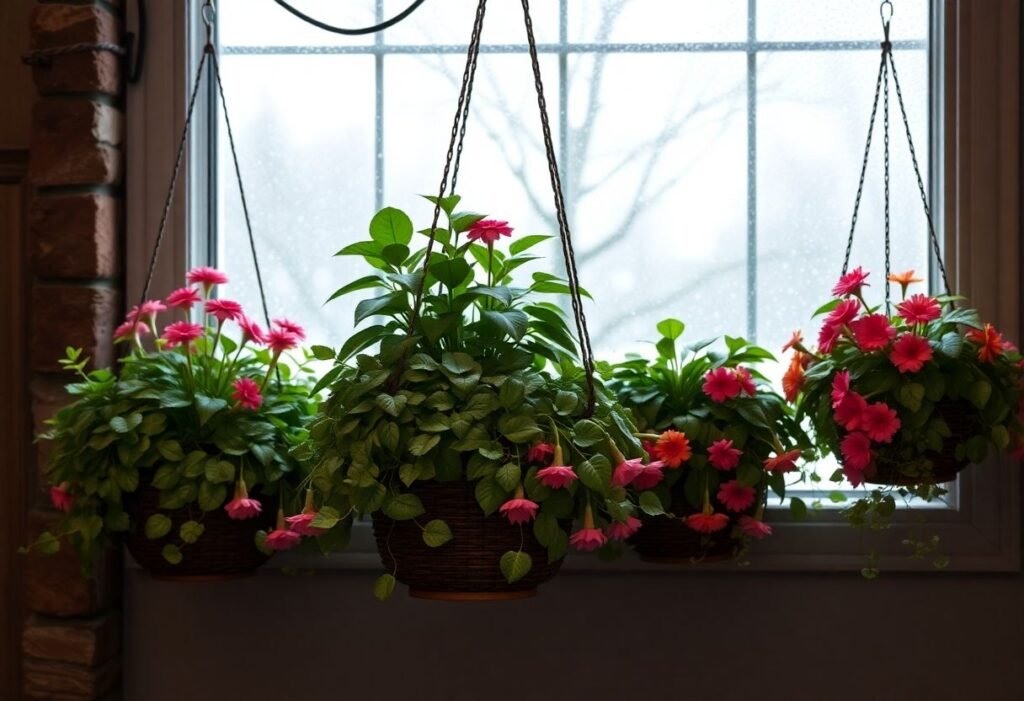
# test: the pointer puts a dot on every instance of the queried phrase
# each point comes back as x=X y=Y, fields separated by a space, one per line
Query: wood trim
x=15 y=417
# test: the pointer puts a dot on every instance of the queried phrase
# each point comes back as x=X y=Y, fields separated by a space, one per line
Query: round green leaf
x=515 y=565
x=157 y=526
x=436 y=533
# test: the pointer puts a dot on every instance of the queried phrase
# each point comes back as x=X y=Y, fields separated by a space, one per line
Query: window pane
x=248 y=23
x=835 y=20
x=451 y=21
x=657 y=21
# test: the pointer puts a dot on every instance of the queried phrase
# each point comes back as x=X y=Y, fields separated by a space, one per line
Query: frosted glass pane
x=307 y=162
x=835 y=20
x=650 y=21
x=451 y=21
x=250 y=23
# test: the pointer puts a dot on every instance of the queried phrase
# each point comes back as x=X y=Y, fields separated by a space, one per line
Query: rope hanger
x=887 y=64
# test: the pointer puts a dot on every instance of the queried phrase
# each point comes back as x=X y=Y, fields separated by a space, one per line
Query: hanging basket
x=225 y=550
x=466 y=568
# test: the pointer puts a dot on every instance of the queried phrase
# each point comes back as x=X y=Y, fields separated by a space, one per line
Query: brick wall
x=71 y=643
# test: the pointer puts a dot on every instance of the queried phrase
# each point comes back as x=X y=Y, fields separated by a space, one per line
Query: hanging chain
x=885 y=131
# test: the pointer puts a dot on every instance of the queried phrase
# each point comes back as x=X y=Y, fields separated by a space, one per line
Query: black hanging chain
x=885 y=131
x=356 y=31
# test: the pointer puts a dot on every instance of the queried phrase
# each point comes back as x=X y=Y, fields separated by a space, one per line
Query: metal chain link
x=888 y=238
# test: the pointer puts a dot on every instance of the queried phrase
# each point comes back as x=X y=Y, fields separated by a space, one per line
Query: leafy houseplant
x=470 y=440
x=906 y=400
x=721 y=436
x=167 y=449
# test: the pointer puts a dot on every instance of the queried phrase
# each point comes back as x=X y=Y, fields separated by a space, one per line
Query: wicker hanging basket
x=466 y=568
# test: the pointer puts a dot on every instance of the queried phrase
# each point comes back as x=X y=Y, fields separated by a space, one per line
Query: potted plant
x=468 y=432
x=183 y=450
x=721 y=438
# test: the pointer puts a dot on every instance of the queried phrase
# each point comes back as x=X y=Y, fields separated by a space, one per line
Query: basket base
x=675 y=560
x=472 y=595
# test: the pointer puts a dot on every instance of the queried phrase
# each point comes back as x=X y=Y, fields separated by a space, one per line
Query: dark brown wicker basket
x=466 y=567
x=225 y=550
x=962 y=421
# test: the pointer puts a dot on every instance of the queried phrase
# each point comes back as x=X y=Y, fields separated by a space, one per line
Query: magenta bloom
x=849 y=413
x=746 y=381
x=721 y=384
x=279 y=340
x=488 y=230
x=151 y=308
x=588 y=539
x=181 y=333
x=247 y=393
x=241 y=508
x=844 y=313
x=722 y=455
x=621 y=531
x=184 y=298
x=207 y=277
x=786 y=462
x=650 y=476
x=130 y=329
x=251 y=331
x=556 y=476
x=291 y=327
x=919 y=309
x=856 y=450
x=283 y=539
x=755 y=528
x=910 y=352
x=840 y=386
x=540 y=453
x=828 y=337
x=61 y=497
x=880 y=422
x=872 y=332
x=626 y=471
x=851 y=283
x=707 y=523
x=519 y=510
x=300 y=523
x=736 y=496
x=224 y=310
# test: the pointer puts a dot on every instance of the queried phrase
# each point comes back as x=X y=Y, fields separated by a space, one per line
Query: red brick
x=75 y=236
x=48 y=395
x=93 y=71
x=75 y=142
x=88 y=641
x=59 y=681
x=54 y=26
x=55 y=584
x=81 y=317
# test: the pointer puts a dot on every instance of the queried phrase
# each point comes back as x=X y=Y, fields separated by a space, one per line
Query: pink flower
x=621 y=531
x=707 y=523
x=746 y=381
x=755 y=528
x=130 y=329
x=247 y=393
x=828 y=337
x=184 y=298
x=540 y=453
x=181 y=333
x=840 y=386
x=723 y=456
x=291 y=327
x=279 y=340
x=488 y=230
x=556 y=476
x=151 y=308
x=300 y=523
x=844 y=313
x=856 y=450
x=519 y=510
x=650 y=476
x=910 y=352
x=786 y=462
x=224 y=310
x=850 y=412
x=133 y=314
x=61 y=497
x=880 y=422
x=735 y=496
x=241 y=507
x=207 y=277
x=251 y=331
x=626 y=471
x=283 y=539
x=872 y=332
x=587 y=539
x=851 y=283
x=721 y=384
x=919 y=309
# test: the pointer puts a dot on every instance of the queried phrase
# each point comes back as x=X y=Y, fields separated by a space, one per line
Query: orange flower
x=793 y=380
x=796 y=340
x=904 y=279
x=672 y=448
x=990 y=342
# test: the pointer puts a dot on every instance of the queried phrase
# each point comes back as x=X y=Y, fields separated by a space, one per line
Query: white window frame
x=980 y=532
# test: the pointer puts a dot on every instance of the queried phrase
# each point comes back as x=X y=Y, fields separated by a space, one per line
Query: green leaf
x=47 y=543
x=979 y=393
x=797 y=508
x=1001 y=437
x=171 y=450
x=322 y=352
x=566 y=402
x=119 y=424
x=364 y=283
x=171 y=553
x=515 y=565
x=489 y=495
x=458 y=363
x=384 y=587
x=391 y=225
x=546 y=528
x=395 y=254
x=512 y=322
x=508 y=476
x=451 y=272
x=157 y=526
x=911 y=395
x=392 y=405
x=518 y=429
x=218 y=471
x=951 y=344
x=591 y=477
x=587 y=433
x=403 y=507
x=671 y=328
x=650 y=504
x=206 y=407
x=836 y=497
x=423 y=444
x=526 y=242
x=211 y=496
x=383 y=305
x=436 y=533
x=190 y=531
x=154 y=424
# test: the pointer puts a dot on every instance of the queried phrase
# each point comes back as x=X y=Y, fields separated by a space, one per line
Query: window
x=710 y=153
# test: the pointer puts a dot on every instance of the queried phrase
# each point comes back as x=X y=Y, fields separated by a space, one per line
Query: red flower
x=587 y=539
x=707 y=523
x=556 y=476
x=488 y=230
x=247 y=393
x=540 y=453
x=301 y=524
x=279 y=340
x=844 y=313
x=650 y=476
x=872 y=332
x=626 y=471
x=282 y=538
x=672 y=448
x=61 y=497
x=856 y=449
x=754 y=528
x=207 y=277
x=519 y=510
x=151 y=308
x=919 y=309
x=721 y=384
x=840 y=386
x=621 y=531
x=722 y=455
x=910 y=352
x=181 y=333
x=241 y=507
x=990 y=342
x=851 y=283
x=783 y=463
x=251 y=331
x=880 y=422
x=291 y=327
x=796 y=340
x=793 y=380
x=849 y=413
x=224 y=310
x=184 y=298
x=746 y=381
x=129 y=329
x=735 y=496
x=828 y=337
